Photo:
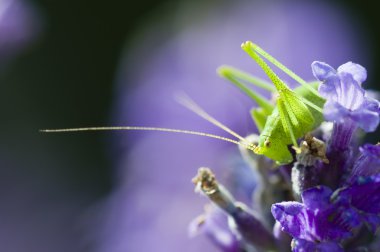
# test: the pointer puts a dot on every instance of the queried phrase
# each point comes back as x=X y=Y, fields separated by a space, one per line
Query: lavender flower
x=339 y=203
x=327 y=221
x=345 y=96
x=350 y=108
x=316 y=222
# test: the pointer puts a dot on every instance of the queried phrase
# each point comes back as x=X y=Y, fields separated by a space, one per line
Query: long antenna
x=244 y=143
x=187 y=102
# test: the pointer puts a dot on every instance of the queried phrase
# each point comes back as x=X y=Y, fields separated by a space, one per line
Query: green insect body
x=274 y=140
x=295 y=113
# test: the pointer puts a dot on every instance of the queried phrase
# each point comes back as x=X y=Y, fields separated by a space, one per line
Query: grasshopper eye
x=267 y=143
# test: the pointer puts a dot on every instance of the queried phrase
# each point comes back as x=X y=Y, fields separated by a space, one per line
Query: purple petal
x=329 y=78
x=368 y=162
x=334 y=112
x=368 y=115
x=364 y=194
x=371 y=151
x=352 y=95
x=371 y=103
x=364 y=197
x=328 y=89
x=317 y=197
x=335 y=224
x=306 y=224
x=322 y=71
x=326 y=224
x=358 y=72
x=365 y=119
x=299 y=245
x=288 y=215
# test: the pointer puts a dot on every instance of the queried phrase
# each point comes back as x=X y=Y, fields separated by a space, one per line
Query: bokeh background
x=61 y=65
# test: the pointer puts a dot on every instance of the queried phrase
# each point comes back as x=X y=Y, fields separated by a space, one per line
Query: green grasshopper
x=295 y=113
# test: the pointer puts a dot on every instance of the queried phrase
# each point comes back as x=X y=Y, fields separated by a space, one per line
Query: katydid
x=295 y=113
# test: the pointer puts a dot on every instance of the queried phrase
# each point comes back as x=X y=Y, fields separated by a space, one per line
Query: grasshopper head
x=273 y=149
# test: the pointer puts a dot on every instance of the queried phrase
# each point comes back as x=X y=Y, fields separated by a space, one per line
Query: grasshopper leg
x=286 y=121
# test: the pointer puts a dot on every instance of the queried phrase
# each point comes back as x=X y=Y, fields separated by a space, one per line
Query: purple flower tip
x=286 y=214
x=346 y=99
x=322 y=71
x=358 y=72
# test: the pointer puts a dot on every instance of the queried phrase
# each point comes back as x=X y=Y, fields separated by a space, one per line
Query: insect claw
x=256 y=149
x=252 y=147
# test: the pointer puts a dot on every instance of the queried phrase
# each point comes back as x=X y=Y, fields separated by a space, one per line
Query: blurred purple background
x=19 y=26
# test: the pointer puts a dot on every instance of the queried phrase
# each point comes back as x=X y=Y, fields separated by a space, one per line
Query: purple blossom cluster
x=327 y=199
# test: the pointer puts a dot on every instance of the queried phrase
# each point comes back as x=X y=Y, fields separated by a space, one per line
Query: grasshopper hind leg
x=286 y=121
